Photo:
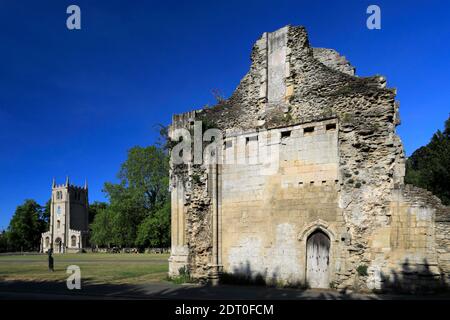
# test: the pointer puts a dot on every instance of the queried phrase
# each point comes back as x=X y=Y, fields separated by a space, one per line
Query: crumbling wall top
x=286 y=74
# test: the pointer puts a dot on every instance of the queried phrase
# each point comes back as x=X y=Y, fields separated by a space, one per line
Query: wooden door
x=318 y=260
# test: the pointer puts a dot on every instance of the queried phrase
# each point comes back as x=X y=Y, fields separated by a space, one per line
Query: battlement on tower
x=70 y=186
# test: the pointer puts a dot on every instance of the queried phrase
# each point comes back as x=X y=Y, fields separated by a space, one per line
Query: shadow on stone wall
x=413 y=279
x=410 y=279
x=244 y=275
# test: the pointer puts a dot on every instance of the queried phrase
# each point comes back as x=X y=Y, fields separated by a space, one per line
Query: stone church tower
x=308 y=183
x=69 y=219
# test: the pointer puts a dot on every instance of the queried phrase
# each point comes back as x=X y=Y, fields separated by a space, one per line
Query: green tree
x=26 y=226
x=46 y=214
x=153 y=231
x=95 y=208
x=138 y=201
x=429 y=166
x=126 y=206
x=103 y=231
x=146 y=175
x=3 y=241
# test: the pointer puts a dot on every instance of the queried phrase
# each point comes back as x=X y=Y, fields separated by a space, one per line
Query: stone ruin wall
x=191 y=212
x=389 y=226
x=332 y=59
x=270 y=202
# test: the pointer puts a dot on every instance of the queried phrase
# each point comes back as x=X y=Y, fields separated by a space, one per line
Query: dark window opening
x=248 y=139
x=308 y=130
x=331 y=126
x=285 y=134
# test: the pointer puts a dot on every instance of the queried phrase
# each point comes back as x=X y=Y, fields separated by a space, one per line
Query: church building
x=69 y=219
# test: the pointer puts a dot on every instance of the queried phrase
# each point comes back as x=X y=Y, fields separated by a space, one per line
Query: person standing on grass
x=50 y=259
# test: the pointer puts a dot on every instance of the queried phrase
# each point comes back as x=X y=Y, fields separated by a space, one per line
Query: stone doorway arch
x=318 y=260
x=304 y=236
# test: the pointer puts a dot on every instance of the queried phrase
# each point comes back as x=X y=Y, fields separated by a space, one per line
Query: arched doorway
x=58 y=245
x=318 y=260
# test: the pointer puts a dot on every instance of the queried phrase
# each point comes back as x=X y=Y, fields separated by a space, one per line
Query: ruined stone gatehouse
x=308 y=184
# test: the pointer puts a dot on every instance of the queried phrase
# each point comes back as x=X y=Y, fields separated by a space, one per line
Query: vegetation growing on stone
x=184 y=276
x=362 y=270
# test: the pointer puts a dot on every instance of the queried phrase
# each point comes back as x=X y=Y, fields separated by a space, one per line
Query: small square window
x=285 y=134
x=331 y=126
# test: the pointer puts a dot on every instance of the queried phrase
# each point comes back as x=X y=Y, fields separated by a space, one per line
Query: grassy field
x=95 y=267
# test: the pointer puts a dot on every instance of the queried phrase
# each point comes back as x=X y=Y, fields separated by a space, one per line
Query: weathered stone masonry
x=337 y=168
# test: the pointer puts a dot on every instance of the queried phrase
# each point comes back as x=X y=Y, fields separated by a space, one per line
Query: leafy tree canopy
x=138 y=211
x=95 y=208
x=429 y=166
x=103 y=228
x=26 y=226
x=3 y=241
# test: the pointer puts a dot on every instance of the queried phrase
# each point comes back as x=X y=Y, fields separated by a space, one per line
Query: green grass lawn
x=95 y=267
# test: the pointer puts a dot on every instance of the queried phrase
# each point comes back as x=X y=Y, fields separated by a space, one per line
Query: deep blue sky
x=73 y=102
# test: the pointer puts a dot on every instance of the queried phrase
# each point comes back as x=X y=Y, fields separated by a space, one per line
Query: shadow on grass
x=57 y=290
x=245 y=284
x=49 y=289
